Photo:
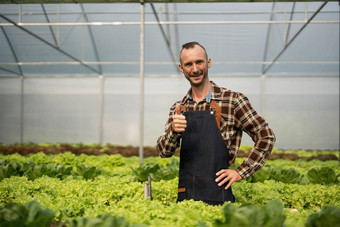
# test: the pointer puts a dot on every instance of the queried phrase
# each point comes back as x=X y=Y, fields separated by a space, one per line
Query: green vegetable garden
x=102 y=185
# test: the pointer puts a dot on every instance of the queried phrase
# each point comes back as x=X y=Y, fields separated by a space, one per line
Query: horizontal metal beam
x=137 y=1
x=170 y=63
x=226 y=12
x=235 y=75
x=165 y=22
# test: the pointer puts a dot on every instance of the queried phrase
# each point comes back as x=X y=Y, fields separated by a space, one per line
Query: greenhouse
x=108 y=73
x=85 y=93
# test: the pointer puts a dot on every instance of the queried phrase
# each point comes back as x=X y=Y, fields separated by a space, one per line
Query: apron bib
x=203 y=153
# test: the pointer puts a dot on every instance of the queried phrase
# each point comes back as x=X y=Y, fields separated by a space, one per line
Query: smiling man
x=208 y=123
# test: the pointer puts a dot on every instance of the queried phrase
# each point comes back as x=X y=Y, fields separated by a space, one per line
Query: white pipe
x=178 y=13
x=20 y=13
x=170 y=76
x=263 y=96
x=101 y=107
x=58 y=27
x=165 y=22
x=169 y=63
x=22 y=109
x=141 y=84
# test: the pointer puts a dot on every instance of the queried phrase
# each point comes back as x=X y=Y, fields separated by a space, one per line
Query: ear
x=209 y=62
x=180 y=67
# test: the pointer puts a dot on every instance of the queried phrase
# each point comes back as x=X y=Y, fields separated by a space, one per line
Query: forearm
x=257 y=128
x=264 y=143
x=167 y=144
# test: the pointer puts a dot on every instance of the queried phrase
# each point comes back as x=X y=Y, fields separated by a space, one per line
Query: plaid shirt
x=237 y=115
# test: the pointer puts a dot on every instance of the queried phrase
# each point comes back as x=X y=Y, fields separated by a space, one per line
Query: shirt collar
x=214 y=94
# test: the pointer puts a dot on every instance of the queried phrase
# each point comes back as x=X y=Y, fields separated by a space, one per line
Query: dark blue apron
x=203 y=153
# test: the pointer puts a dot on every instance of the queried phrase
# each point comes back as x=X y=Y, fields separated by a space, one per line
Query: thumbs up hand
x=178 y=121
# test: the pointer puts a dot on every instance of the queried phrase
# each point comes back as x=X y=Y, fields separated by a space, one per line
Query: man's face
x=194 y=65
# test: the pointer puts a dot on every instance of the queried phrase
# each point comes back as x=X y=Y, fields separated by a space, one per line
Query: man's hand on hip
x=226 y=175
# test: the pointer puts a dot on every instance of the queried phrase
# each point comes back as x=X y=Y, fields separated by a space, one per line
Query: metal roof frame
x=158 y=22
x=135 y=1
x=49 y=44
x=293 y=38
x=265 y=65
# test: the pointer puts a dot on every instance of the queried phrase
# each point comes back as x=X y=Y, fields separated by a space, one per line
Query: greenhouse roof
x=91 y=38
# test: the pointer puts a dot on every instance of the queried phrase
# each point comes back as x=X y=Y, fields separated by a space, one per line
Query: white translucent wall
x=303 y=111
x=58 y=102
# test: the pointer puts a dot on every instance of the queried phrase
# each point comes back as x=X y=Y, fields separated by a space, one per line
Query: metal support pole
x=21 y=109
x=20 y=13
x=13 y=52
x=92 y=39
x=101 y=107
x=266 y=48
x=263 y=95
x=289 y=25
x=167 y=40
x=58 y=27
x=50 y=27
x=141 y=83
x=293 y=38
x=176 y=38
x=269 y=30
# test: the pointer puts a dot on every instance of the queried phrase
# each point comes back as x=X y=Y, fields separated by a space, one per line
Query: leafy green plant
x=261 y=175
x=323 y=175
x=328 y=216
x=87 y=172
x=33 y=171
x=104 y=220
x=30 y=214
x=166 y=172
x=288 y=176
x=8 y=169
x=115 y=192
x=145 y=170
x=269 y=215
x=156 y=172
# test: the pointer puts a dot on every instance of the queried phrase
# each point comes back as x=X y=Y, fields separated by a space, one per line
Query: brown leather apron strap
x=217 y=109
x=213 y=106
x=183 y=107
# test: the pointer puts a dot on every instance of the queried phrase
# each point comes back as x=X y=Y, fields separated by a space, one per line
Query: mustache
x=196 y=74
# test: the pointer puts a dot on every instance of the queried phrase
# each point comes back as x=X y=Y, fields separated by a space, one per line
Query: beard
x=198 y=79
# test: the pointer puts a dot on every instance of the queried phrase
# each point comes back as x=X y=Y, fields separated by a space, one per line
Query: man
x=209 y=120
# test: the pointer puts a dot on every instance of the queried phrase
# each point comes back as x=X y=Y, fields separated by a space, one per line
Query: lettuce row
x=323 y=175
x=269 y=215
x=33 y=171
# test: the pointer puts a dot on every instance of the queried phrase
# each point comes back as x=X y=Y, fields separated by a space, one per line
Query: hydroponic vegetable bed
x=66 y=189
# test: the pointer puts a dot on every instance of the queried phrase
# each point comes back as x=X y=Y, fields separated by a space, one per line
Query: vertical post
x=285 y=24
x=58 y=26
x=141 y=83
x=21 y=109
x=263 y=94
x=147 y=189
x=83 y=43
x=20 y=13
x=101 y=107
x=306 y=11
